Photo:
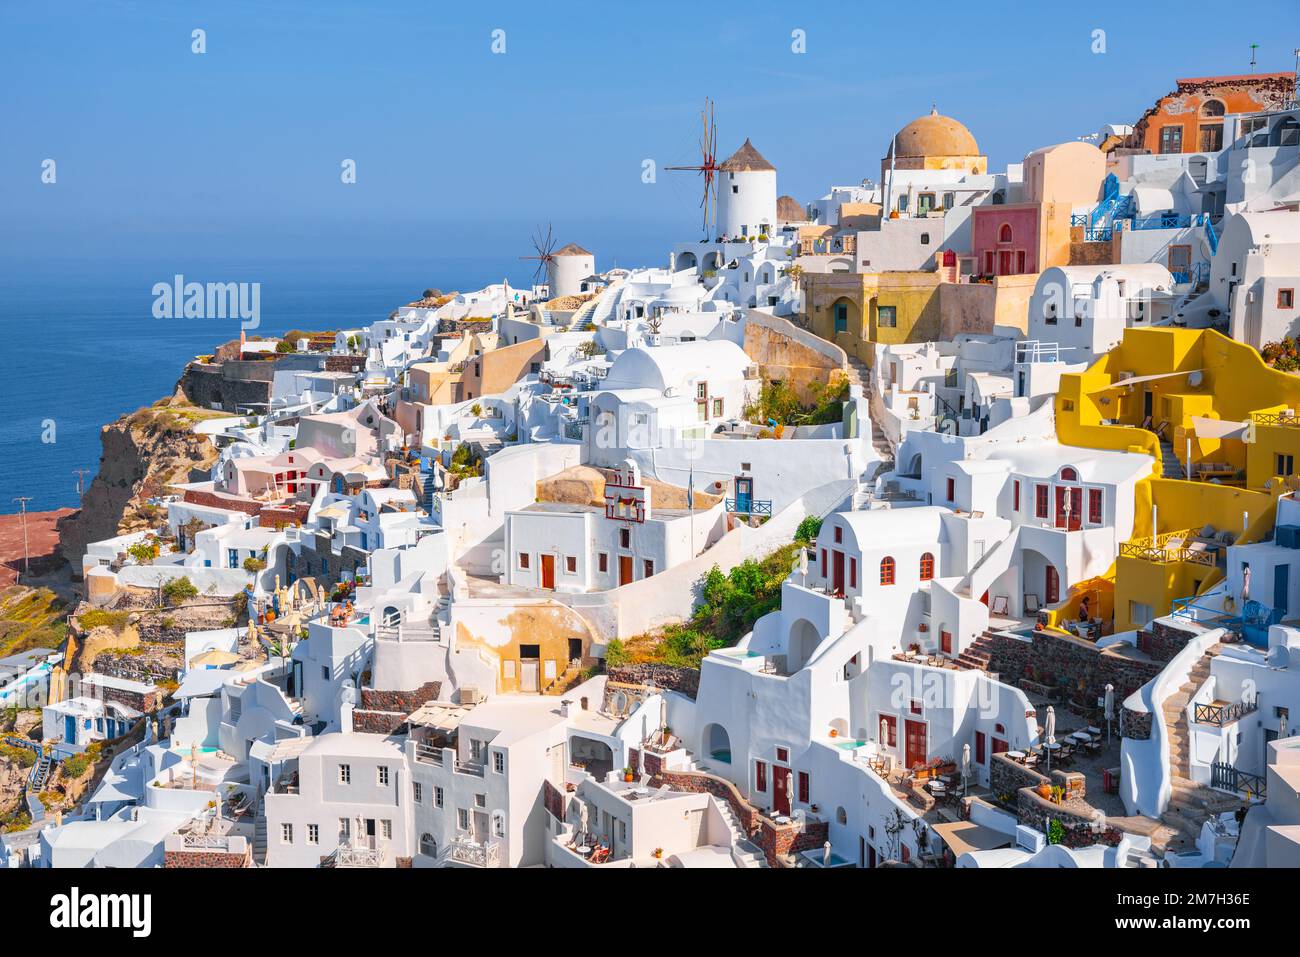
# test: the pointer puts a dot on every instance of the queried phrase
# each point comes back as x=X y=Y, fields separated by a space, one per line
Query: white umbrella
x=826 y=854
x=1281 y=726
x=1110 y=708
x=1049 y=734
x=965 y=767
x=884 y=733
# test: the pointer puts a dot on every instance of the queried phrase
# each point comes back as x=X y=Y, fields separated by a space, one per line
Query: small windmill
x=544 y=243
x=709 y=167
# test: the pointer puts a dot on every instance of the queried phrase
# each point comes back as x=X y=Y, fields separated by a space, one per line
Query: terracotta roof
x=572 y=249
x=747 y=160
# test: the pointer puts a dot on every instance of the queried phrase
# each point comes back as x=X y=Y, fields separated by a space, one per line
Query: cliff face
x=142 y=452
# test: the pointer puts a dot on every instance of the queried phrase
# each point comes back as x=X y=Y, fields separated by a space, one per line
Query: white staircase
x=743 y=851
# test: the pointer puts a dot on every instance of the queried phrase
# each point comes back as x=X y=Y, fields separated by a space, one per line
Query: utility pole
x=1253 y=48
x=81 y=479
x=22 y=501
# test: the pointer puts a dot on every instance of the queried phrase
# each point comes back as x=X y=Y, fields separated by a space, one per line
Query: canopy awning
x=964 y=836
x=1134 y=380
x=439 y=717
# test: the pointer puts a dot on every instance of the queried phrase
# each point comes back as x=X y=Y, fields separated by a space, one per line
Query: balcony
x=1219 y=713
x=749 y=507
x=470 y=854
x=1169 y=548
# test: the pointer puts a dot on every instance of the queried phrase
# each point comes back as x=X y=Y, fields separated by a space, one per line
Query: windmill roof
x=747 y=160
x=572 y=249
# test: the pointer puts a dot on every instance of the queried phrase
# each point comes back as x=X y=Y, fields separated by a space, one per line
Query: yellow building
x=1225 y=433
x=857 y=310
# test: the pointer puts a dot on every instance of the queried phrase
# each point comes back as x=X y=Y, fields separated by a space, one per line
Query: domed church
x=934 y=141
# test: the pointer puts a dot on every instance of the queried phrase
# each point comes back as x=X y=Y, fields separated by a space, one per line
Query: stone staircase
x=977 y=655
x=1190 y=804
x=1169 y=460
x=259 y=837
x=744 y=851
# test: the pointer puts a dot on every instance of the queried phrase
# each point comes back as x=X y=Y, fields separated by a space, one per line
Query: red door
x=1004 y=263
x=1072 y=520
x=1052 y=586
x=945 y=642
x=624 y=569
x=979 y=747
x=838 y=564
x=780 y=789
x=548 y=571
x=915 y=745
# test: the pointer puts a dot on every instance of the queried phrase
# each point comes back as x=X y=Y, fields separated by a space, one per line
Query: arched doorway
x=685 y=260
x=717 y=743
x=802 y=645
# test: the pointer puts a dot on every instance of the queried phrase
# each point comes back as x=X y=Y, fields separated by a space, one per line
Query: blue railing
x=1162 y=221
x=1252 y=624
x=756 y=507
x=1211 y=236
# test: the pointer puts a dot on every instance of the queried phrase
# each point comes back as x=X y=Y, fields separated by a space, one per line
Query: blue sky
x=164 y=155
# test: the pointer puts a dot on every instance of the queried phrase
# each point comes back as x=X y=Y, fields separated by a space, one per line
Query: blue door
x=70 y=729
x=1281 y=585
x=744 y=495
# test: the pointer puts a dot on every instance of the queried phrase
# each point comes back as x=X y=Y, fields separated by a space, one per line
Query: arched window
x=886 y=571
x=1069 y=475
x=1212 y=108
x=428 y=846
x=927 y=567
x=841 y=816
x=1004 y=234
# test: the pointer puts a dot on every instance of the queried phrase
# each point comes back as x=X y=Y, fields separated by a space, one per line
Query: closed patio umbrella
x=965 y=767
x=1049 y=735
x=826 y=854
x=1109 y=708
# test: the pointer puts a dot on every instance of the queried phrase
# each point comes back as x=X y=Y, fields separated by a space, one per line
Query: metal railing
x=756 y=507
x=1224 y=777
x=1221 y=714
x=427 y=754
x=1162 y=554
x=1287 y=417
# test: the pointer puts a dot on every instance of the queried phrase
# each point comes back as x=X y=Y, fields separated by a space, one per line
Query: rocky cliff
x=142 y=453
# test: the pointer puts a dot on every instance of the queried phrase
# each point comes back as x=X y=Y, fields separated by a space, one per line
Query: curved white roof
x=665 y=367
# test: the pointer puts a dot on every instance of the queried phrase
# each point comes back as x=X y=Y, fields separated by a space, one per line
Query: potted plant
x=1044 y=790
x=658 y=852
x=627 y=775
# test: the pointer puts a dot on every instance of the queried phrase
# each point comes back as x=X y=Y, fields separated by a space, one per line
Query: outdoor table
x=1016 y=755
x=1054 y=746
x=583 y=849
x=1091 y=730
x=1083 y=736
x=936 y=785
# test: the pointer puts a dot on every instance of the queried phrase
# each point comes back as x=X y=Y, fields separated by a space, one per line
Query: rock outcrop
x=142 y=453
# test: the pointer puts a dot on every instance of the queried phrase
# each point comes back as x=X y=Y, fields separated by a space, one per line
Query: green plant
x=254 y=565
x=284 y=345
x=1055 y=832
x=808 y=529
x=615 y=653
x=75 y=766
x=179 y=590
x=476 y=410
x=143 y=552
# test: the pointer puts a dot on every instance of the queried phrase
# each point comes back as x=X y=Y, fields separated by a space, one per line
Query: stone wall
x=145 y=702
x=787 y=353
x=229 y=385
x=133 y=668
x=779 y=840
x=1135 y=724
x=747 y=815
x=1070 y=663
x=207 y=858
x=683 y=680
x=383 y=712
x=1164 y=639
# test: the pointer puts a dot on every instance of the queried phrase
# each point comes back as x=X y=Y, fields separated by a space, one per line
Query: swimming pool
x=850 y=745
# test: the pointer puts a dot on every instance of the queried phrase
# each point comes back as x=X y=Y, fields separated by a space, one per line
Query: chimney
x=564 y=707
x=583 y=702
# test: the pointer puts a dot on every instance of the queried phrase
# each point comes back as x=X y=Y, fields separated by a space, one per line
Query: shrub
x=179 y=590
x=254 y=565
x=284 y=345
x=808 y=529
x=616 y=654
x=98 y=618
x=75 y=766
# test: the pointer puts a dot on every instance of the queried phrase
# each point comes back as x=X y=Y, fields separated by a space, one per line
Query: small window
x=1004 y=234
x=523 y=561
x=499 y=762
x=783 y=754
x=462 y=818
x=625 y=538
x=1040 y=501
x=839 y=534
x=648 y=568
x=805 y=785
x=602 y=561
x=887 y=571
x=417 y=791
x=925 y=239
x=760 y=776
x=286 y=833
x=1015 y=495
x=915 y=707
x=382 y=775
x=927 y=567
x=702 y=390
x=1094 y=505
x=889 y=727
x=952 y=490
x=1286 y=298
x=887 y=316
x=345 y=774
x=386 y=829
x=345 y=828
x=313 y=833
x=437 y=797
x=571 y=564
x=853 y=573
x=717 y=408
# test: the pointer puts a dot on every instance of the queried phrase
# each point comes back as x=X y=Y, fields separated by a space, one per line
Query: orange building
x=1190 y=119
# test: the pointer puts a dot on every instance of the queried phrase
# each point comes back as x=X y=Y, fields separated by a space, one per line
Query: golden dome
x=934 y=135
